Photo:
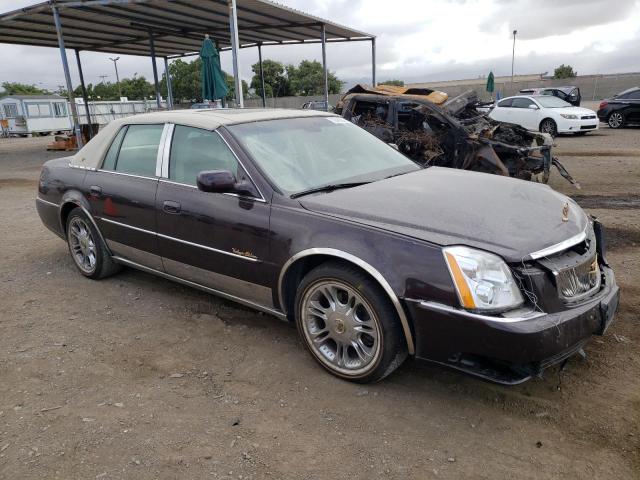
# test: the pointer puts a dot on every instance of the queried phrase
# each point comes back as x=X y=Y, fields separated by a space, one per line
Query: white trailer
x=29 y=114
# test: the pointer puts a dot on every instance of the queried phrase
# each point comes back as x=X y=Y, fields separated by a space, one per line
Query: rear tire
x=88 y=251
x=615 y=120
x=549 y=126
x=348 y=324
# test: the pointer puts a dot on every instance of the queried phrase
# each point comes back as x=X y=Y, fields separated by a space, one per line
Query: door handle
x=171 y=207
x=95 y=191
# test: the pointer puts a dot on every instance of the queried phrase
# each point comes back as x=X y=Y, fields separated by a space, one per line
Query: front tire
x=348 y=324
x=549 y=126
x=615 y=120
x=88 y=251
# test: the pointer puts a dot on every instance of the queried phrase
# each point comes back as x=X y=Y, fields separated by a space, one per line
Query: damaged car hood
x=512 y=218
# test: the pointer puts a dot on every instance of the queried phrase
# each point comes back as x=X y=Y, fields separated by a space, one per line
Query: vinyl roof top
x=178 y=26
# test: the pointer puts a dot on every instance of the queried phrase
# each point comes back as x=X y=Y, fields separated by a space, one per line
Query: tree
x=276 y=82
x=396 y=83
x=15 y=88
x=308 y=79
x=185 y=81
x=564 y=71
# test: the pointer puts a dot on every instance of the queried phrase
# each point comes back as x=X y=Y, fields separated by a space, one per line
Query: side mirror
x=216 y=181
x=223 y=181
x=533 y=107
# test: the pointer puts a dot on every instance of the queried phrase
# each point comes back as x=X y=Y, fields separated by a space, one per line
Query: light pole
x=513 y=55
x=115 y=64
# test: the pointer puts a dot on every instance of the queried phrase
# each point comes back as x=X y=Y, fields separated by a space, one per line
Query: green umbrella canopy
x=490 y=83
x=213 y=82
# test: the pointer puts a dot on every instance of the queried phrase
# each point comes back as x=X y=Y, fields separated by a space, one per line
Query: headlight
x=482 y=280
x=569 y=116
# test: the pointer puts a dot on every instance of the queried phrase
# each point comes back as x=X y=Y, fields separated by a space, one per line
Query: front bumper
x=510 y=350
x=578 y=125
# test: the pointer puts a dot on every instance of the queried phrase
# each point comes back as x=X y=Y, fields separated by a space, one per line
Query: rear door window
x=505 y=103
x=109 y=162
x=139 y=150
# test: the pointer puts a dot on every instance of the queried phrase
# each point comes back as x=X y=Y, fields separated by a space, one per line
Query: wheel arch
x=71 y=200
x=544 y=119
x=302 y=262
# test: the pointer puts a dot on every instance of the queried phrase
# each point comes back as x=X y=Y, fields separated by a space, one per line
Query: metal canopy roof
x=177 y=26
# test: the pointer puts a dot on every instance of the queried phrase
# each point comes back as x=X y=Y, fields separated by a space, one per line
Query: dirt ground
x=137 y=377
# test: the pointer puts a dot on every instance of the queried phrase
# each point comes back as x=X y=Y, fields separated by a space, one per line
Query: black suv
x=622 y=110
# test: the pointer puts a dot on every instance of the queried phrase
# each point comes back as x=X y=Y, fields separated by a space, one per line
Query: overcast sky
x=417 y=40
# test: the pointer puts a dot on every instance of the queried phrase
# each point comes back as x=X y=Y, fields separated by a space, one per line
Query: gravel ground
x=137 y=377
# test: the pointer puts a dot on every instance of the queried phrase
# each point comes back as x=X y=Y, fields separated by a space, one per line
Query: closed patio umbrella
x=213 y=82
x=490 y=84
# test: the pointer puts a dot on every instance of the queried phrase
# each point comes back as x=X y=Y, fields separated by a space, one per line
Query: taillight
x=602 y=105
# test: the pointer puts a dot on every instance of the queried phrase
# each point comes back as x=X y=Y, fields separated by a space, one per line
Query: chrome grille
x=587 y=117
x=579 y=281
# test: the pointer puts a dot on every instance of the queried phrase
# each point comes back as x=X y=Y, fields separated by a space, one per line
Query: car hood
x=575 y=111
x=445 y=206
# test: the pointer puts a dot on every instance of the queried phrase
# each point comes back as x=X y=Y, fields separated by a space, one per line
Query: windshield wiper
x=328 y=188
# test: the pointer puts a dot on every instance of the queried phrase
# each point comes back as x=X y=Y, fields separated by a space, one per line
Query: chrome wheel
x=82 y=245
x=615 y=120
x=340 y=327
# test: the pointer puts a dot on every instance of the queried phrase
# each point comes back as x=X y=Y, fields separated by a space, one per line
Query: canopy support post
x=152 y=46
x=67 y=76
x=169 y=85
x=373 y=61
x=233 y=26
x=323 y=39
x=264 y=93
x=84 y=94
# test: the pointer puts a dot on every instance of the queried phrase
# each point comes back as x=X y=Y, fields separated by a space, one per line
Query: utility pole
x=115 y=64
x=513 y=55
x=102 y=77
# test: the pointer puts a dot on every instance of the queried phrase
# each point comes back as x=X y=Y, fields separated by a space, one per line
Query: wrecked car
x=305 y=216
x=451 y=133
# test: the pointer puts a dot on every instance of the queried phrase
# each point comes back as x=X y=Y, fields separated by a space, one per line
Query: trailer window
x=60 y=109
x=10 y=110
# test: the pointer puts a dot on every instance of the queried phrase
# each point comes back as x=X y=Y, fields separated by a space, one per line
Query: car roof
x=212 y=118
x=632 y=89
x=92 y=153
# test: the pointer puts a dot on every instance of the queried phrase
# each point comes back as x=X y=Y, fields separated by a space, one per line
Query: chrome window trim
x=205 y=247
x=559 y=247
x=244 y=197
x=520 y=315
x=47 y=202
x=127 y=174
x=166 y=133
x=189 y=283
x=365 y=266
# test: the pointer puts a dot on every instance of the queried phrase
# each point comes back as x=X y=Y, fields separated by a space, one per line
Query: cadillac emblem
x=565 y=212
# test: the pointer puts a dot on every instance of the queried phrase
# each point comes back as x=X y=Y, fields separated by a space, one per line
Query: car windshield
x=300 y=154
x=552 y=102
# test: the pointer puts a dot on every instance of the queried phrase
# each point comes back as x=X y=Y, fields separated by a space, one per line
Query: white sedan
x=545 y=113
